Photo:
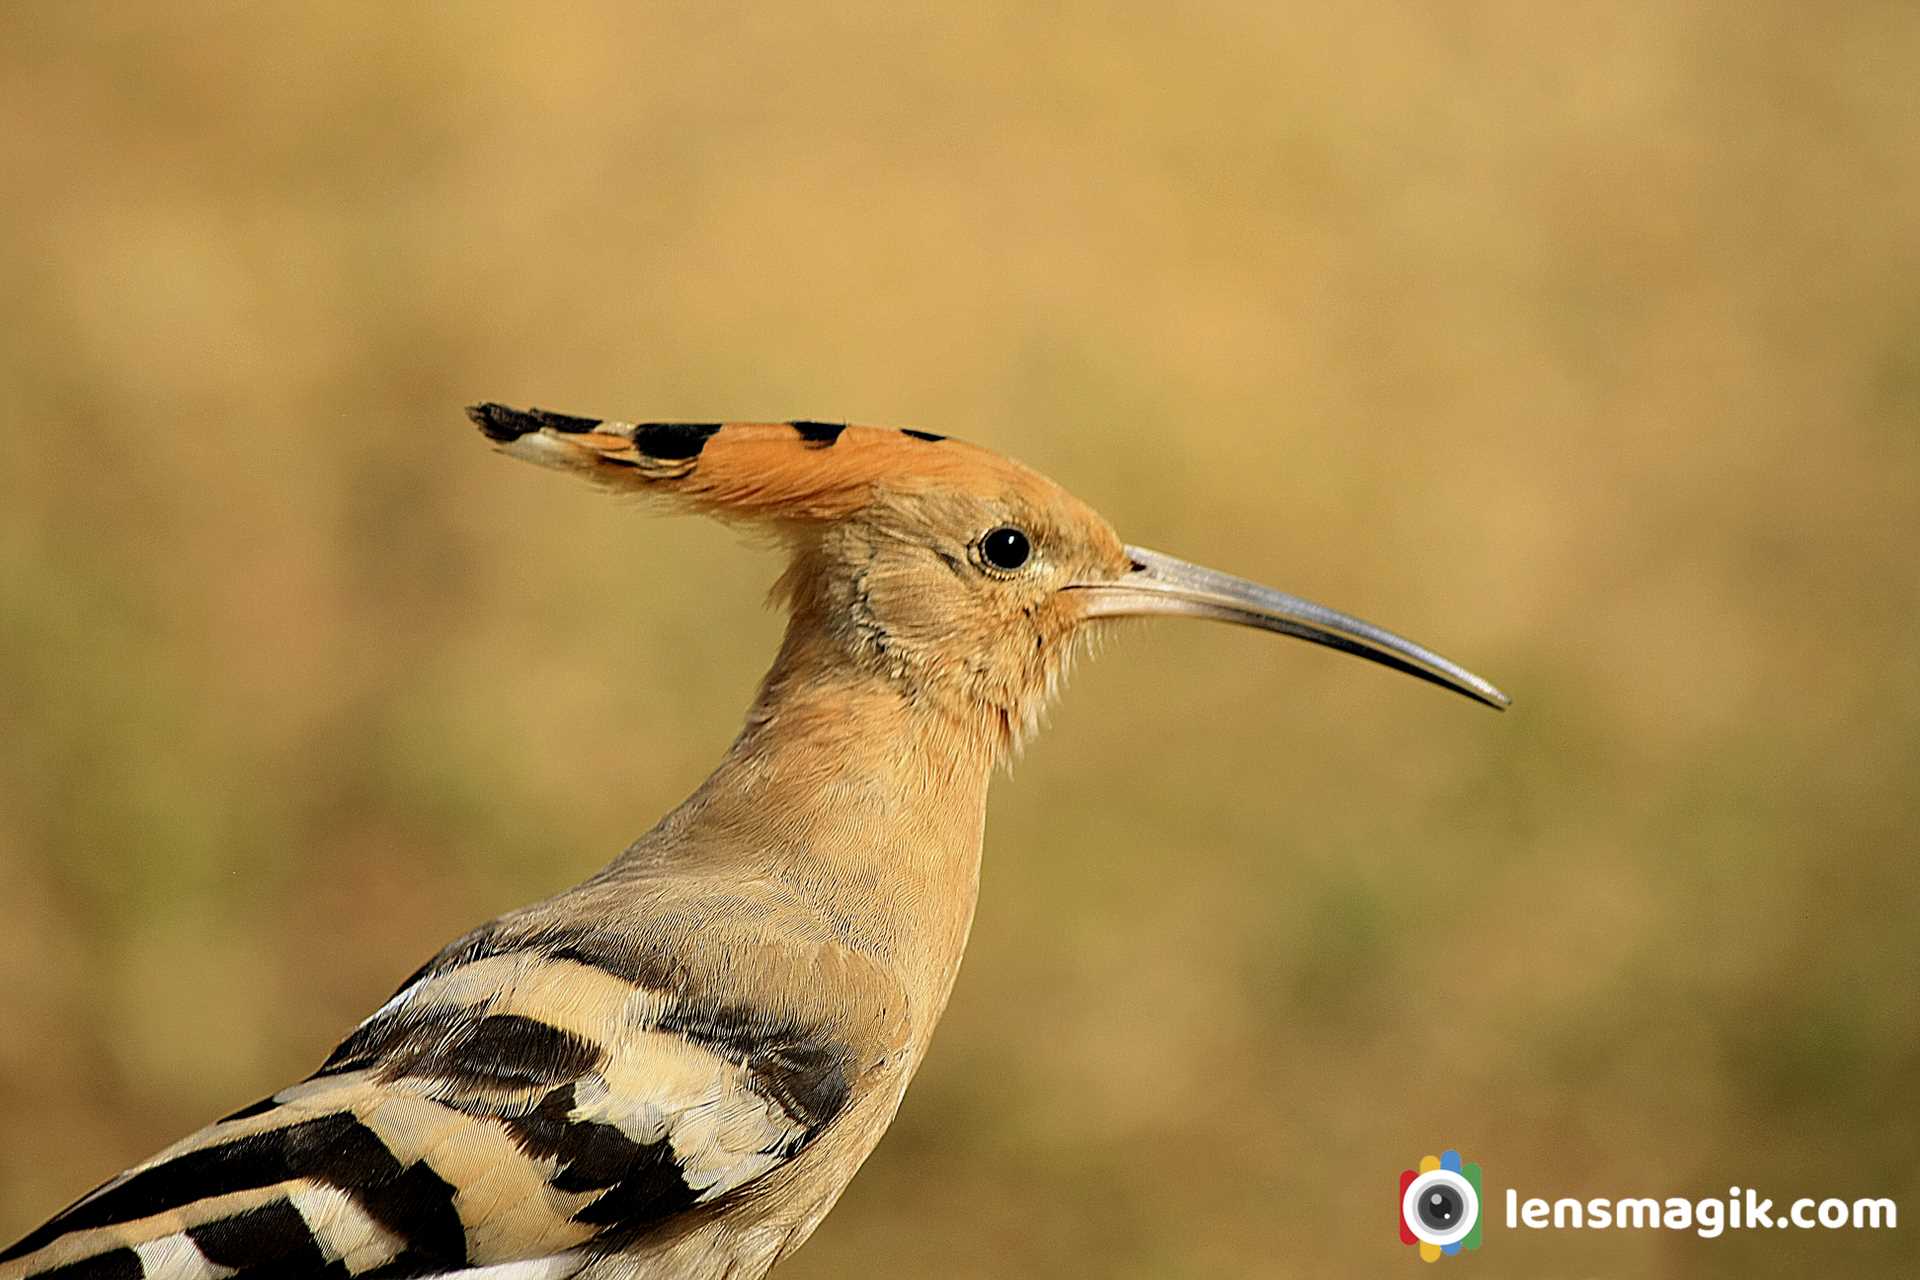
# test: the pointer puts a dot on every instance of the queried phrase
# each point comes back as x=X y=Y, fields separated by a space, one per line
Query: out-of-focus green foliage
x=1580 y=342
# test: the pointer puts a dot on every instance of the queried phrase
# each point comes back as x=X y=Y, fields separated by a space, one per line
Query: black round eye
x=1005 y=547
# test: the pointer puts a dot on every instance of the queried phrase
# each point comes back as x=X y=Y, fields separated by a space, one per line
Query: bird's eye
x=1005 y=548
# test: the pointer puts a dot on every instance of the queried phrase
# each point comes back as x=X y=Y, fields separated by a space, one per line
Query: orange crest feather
x=776 y=471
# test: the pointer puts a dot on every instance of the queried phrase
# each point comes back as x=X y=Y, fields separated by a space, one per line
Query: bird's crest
x=782 y=472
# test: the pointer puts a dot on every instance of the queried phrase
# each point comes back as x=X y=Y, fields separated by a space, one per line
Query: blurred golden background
x=1582 y=343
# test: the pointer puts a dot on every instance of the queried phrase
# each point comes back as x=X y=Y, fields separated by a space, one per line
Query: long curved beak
x=1162 y=585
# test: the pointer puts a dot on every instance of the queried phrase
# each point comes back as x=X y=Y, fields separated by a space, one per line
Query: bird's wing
x=529 y=1100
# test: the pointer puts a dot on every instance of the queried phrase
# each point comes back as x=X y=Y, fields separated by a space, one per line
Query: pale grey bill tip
x=1165 y=585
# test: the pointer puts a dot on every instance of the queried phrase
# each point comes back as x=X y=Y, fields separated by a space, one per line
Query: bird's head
x=961 y=576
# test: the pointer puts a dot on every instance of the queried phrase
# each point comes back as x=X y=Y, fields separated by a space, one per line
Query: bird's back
x=571 y=1089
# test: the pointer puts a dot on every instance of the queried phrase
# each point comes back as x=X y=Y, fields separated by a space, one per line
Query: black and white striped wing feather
x=526 y=1104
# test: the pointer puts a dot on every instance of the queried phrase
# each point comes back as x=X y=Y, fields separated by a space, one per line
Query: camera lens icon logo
x=1440 y=1205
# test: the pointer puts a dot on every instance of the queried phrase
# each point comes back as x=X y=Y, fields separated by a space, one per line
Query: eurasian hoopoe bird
x=674 y=1068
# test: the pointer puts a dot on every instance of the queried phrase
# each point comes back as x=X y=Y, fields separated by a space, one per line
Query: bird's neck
x=867 y=800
